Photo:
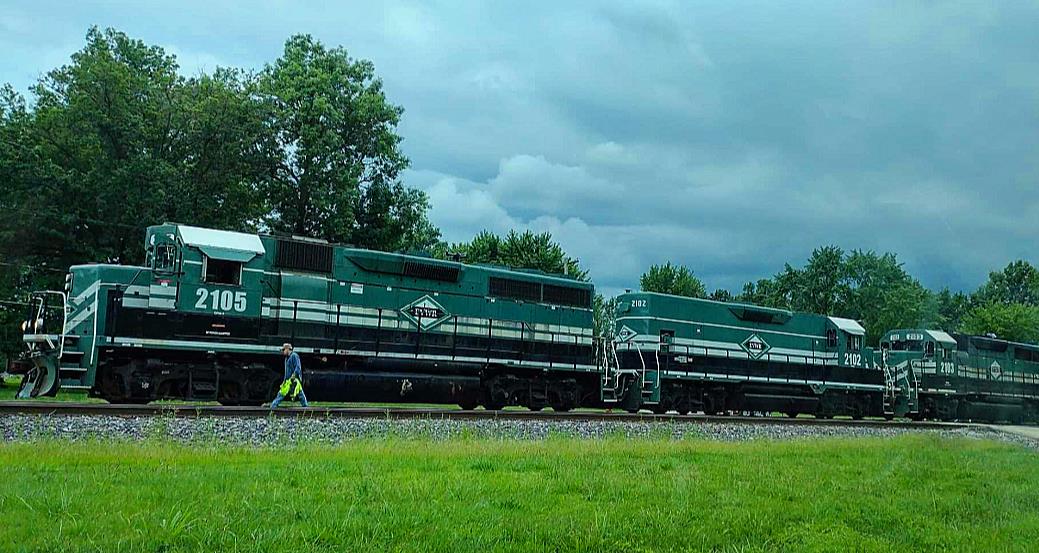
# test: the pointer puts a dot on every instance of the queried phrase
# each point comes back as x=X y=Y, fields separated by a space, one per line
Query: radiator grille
x=430 y=271
x=567 y=295
x=304 y=256
x=515 y=289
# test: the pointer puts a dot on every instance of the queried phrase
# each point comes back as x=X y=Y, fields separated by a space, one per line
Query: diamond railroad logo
x=995 y=370
x=425 y=312
x=755 y=346
x=625 y=334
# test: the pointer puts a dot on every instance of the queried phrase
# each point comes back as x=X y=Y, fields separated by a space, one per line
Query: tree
x=526 y=250
x=722 y=295
x=336 y=158
x=117 y=140
x=604 y=316
x=765 y=292
x=821 y=286
x=1017 y=322
x=677 y=280
x=882 y=295
x=951 y=308
x=860 y=285
x=1018 y=282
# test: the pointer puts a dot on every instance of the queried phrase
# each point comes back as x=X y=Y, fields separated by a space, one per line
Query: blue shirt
x=292 y=366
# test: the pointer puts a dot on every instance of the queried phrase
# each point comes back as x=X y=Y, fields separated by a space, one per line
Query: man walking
x=292 y=385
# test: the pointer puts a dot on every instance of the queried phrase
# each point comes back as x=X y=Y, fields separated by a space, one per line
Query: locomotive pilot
x=292 y=385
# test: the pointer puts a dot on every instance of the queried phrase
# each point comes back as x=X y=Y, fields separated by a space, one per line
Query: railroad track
x=185 y=410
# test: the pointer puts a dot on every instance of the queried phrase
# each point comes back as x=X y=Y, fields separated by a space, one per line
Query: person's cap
x=286 y=345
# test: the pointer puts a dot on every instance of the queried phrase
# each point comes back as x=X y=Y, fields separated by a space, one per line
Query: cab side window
x=219 y=271
x=929 y=349
x=831 y=338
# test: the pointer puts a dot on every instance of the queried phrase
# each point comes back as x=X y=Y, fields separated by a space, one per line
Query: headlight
x=25 y=325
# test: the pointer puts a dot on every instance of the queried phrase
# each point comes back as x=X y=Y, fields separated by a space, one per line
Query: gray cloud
x=729 y=136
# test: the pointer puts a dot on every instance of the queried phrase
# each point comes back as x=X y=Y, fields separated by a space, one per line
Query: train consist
x=206 y=315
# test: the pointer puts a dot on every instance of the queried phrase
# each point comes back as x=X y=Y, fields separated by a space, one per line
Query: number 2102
x=220 y=300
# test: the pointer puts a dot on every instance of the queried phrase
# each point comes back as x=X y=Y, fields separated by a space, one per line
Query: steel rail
x=187 y=410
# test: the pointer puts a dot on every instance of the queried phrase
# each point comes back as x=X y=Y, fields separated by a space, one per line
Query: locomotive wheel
x=468 y=406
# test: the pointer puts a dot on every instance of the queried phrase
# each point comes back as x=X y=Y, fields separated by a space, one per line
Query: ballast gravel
x=281 y=431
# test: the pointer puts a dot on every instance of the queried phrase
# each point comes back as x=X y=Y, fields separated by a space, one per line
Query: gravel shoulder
x=280 y=431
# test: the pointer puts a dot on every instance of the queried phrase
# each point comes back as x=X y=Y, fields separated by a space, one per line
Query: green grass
x=11 y=384
x=914 y=493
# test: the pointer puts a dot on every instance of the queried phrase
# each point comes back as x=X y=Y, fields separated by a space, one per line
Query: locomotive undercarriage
x=141 y=376
x=713 y=398
x=976 y=408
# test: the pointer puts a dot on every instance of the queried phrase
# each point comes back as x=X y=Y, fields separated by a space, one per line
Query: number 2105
x=220 y=300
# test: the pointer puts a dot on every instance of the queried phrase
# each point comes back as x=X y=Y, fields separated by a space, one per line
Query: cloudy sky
x=728 y=136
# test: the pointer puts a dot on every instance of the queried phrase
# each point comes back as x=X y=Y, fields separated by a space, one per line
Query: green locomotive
x=961 y=377
x=206 y=315
x=204 y=318
x=688 y=354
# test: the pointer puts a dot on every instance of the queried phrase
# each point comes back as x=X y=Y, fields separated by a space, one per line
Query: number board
x=216 y=300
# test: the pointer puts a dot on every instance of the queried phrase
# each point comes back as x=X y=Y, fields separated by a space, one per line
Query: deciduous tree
x=1018 y=282
x=1009 y=321
x=337 y=161
x=520 y=250
x=677 y=280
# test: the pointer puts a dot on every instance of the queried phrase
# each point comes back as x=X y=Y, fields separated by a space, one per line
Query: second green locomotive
x=701 y=355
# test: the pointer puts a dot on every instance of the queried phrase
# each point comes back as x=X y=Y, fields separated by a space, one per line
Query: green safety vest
x=291 y=388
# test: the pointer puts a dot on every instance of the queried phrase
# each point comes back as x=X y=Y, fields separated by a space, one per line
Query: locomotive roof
x=241 y=246
x=936 y=335
x=222 y=244
x=942 y=336
x=848 y=325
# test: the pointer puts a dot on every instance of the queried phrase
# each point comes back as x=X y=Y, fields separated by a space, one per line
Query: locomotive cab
x=916 y=359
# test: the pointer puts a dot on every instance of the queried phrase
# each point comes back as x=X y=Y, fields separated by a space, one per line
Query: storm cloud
x=728 y=136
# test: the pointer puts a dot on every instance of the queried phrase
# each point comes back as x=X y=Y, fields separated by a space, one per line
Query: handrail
x=656 y=355
x=642 y=379
x=40 y=313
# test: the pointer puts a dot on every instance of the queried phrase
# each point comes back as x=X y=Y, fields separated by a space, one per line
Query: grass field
x=907 y=494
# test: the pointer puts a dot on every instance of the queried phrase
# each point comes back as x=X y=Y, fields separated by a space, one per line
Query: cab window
x=831 y=338
x=220 y=271
x=929 y=349
x=164 y=259
x=907 y=345
x=854 y=342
